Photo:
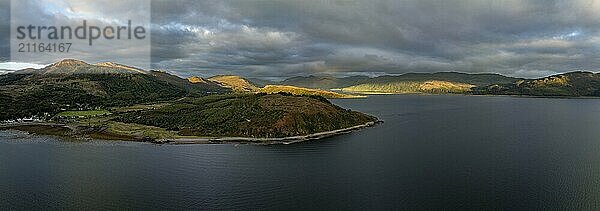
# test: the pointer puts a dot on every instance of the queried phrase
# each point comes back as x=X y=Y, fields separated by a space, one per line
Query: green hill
x=248 y=115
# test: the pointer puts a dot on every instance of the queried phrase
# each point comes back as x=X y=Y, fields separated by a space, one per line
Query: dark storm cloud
x=260 y=38
x=281 y=38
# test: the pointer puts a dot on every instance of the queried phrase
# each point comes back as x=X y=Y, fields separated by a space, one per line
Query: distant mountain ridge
x=478 y=79
x=573 y=84
x=330 y=82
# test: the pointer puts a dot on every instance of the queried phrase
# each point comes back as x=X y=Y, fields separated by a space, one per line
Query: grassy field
x=88 y=113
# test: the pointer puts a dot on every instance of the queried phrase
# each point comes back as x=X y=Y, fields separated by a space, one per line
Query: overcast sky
x=275 y=39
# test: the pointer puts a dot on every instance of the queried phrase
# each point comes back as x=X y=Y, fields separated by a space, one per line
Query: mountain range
x=329 y=82
x=113 y=101
x=572 y=84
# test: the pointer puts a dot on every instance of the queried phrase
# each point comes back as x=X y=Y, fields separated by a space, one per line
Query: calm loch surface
x=432 y=152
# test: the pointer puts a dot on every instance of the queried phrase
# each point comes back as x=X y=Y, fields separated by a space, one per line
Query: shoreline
x=267 y=141
x=194 y=140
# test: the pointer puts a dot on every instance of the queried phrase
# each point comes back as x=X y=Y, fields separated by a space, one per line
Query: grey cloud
x=345 y=36
x=282 y=38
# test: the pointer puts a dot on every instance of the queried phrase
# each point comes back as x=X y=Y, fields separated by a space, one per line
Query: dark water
x=433 y=152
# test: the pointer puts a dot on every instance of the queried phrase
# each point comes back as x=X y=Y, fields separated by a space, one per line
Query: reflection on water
x=432 y=152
